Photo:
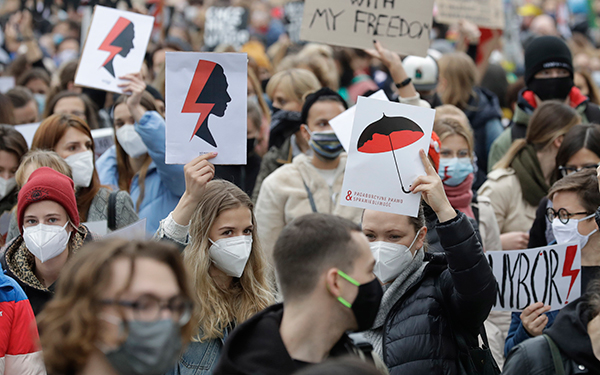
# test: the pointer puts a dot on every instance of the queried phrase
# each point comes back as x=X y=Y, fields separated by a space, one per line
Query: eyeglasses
x=565 y=171
x=562 y=214
x=148 y=308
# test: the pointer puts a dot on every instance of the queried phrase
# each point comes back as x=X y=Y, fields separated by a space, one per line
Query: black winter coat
x=418 y=332
x=569 y=333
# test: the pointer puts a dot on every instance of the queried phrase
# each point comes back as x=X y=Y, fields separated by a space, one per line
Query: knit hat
x=546 y=52
x=47 y=184
x=312 y=99
x=423 y=71
x=434 y=150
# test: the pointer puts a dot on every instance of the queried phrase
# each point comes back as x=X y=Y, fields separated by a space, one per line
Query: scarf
x=461 y=196
x=392 y=294
x=529 y=172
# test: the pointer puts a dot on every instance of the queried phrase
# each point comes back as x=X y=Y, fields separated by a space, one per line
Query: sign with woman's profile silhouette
x=206 y=106
x=115 y=46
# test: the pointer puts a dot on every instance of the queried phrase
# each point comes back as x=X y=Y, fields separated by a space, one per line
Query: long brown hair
x=251 y=293
x=124 y=169
x=46 y=137
x=548 y=122
x=69 y=325
x=460 y=73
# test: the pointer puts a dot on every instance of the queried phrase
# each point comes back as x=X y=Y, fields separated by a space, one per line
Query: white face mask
x=46 y=241
x=391 y=258
x=82 y=167
x=569 y=232
x=6 y=186
x=230 y=255
x=131 y=141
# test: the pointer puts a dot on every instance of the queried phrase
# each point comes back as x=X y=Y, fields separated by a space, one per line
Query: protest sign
x=550 y=274
x=342 y=123
x=199 y=85
x=132 y=232
x=402 y=26
x=28 y=131
x=97 y=227
x=484 y=13
x=115 y=46
x=292 y=15
x=383 y=157
x=104 y=138
x=6 y=83
x=226 y=25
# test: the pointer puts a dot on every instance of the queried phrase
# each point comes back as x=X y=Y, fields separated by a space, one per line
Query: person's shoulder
x=501 y=174
x=532 y=356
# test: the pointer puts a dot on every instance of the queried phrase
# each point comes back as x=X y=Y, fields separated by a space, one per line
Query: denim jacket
x=200 y=358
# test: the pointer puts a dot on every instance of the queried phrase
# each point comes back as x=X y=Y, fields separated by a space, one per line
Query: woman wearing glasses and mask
x=580 y=149
x=575 y=199
x=215 y=223
x=50 y=232
x=121 y=308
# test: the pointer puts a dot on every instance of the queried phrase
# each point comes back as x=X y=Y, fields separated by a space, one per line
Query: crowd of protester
x=258 y=268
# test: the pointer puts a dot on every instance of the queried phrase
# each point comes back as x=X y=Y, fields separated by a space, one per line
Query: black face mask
x=366 y=304
x=551 y=88
x=274 y=110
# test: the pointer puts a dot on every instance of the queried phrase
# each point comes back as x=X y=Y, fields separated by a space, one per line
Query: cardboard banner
x=104 y=138
x=6 y=83
x=115 y=46
x=550 y=274
x=383 y=157
x=226 y=25
x=206 y=106
x=135 y=231
x=402 y=26
x=342 y=123
x=28 y=131
x=292 y=16
x=484 y=13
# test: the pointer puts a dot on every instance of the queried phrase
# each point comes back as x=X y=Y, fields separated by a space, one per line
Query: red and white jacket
x=20 y=353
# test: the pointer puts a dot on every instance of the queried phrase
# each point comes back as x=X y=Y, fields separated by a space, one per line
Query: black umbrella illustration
x=389 y=134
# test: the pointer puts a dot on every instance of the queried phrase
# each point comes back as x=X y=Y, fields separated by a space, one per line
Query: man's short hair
x=584 y=184
x=310 y=245
x=20 y=96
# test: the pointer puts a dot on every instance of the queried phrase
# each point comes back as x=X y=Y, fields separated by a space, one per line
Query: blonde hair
x=249 y=294
x=549 y=121
x=460 y=73
x=294 y=83
x=452 y=121
x=42 y=158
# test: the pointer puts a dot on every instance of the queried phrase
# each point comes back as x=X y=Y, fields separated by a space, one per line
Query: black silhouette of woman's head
x=215 y=91
x=125 y=40
x=122 y=43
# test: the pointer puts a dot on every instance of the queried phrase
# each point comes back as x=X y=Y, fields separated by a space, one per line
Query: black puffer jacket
x=417 y=334
x=569 y=333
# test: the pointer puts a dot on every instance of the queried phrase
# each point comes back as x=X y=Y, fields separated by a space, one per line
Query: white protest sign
x=104 y=138
x=292 y=15
x=483 y=13
x=6 y=83
x=206 y=106
x=5 y=222
x=383 y=157
x=550 y=274
x=28 y=131
x=135 y=231
x=97 y=227
x=342 y=123
x=226 y=25
x=115 y=46
x=402 y=26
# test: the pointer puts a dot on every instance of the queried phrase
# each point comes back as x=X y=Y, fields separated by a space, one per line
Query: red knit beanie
x=47 y=184
x=434 y=150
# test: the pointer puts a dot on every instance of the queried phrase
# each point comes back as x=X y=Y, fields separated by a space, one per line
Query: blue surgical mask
x=40 y=99
x=454 y=171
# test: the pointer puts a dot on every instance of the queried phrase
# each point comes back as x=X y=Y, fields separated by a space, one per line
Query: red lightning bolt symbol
x=107 y=46
x=446 y=176
x=567 y=271
x=203 y=71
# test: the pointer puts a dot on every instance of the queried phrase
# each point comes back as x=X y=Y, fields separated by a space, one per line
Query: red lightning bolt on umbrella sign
x=201 y=75
x=107 y=46
x=567 y=271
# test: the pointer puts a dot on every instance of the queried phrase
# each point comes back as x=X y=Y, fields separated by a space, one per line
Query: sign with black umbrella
x=374 y=179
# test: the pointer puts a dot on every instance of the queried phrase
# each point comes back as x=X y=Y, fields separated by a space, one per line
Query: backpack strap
x=112 y=211
x=311 y=199
x=556 y=357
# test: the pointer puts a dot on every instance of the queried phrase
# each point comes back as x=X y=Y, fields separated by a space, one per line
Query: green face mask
x=366 y=303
